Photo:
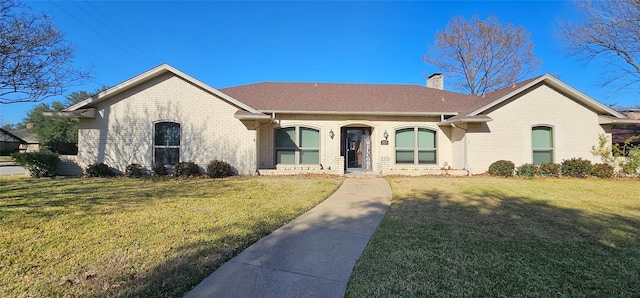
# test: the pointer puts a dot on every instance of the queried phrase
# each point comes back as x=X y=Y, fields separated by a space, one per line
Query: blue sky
x=226 y=44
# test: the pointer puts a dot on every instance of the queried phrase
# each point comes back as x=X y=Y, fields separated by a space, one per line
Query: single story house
x=19 y=140
x=166 y=116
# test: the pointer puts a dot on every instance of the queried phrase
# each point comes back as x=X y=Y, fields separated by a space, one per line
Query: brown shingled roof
x=349 y=98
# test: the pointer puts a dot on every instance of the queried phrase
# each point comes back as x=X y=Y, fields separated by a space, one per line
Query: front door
x=357 y=148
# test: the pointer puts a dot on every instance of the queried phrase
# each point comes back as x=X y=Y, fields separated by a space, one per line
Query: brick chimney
x=436 y=81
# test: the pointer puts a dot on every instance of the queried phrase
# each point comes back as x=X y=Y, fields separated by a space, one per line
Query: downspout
x=466 y=163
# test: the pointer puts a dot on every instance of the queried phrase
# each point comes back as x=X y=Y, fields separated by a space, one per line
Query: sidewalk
x=312 y=256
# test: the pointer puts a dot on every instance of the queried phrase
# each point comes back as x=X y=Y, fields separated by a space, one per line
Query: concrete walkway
x=312 y=256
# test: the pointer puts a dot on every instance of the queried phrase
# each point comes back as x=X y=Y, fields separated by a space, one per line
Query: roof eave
x=372 y=113
x=587 y=100
x=89 y=113
x=152 y=73
x=465 y=120
x=610 y=120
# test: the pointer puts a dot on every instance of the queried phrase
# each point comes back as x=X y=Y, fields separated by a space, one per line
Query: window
x=166 y=144
x=297 y=145
x=416 y=146
x=542 y=144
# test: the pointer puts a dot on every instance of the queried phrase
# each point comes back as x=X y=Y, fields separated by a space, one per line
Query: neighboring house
x=166 y=116
x=19 y=139
x=621 y=133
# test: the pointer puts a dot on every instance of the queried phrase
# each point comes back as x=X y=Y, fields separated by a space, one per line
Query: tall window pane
x=426 y=139
x=309 y=137
x=166 y=143
x=309 y=157
x=542 y=143
x=286 y=137
x=405 y=138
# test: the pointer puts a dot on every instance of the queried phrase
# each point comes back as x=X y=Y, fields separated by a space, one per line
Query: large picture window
x=297 y=145
x=166 y=143
x=542 y=144
x=415 y=146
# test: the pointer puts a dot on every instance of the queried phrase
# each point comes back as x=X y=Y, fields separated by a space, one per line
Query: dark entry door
x=354 y=147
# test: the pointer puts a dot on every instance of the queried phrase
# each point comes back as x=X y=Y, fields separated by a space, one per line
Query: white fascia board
x=361 y=113
x=159 y=70
x=585 y=99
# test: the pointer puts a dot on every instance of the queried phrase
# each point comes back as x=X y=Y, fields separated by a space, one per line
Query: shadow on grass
x=489 y=243
x=293 y=248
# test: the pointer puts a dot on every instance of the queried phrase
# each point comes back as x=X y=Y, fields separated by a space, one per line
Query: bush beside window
x=528 y=170
x=550 y=169
x=159 y=169
x=134 y=170
x=186 y=169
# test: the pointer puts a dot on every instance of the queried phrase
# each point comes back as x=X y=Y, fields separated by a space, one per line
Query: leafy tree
x=60 y=135
x=36 y=60
x=481 y=56
x=610 y=30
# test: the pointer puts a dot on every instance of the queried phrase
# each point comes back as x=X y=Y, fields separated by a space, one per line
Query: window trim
x=296 y=148
x=546 y=149
x=154 y=147
x=416 y=146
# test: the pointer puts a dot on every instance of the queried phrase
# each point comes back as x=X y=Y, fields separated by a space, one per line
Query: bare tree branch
x=481 y=56
x=611 y=31
x=35 y=60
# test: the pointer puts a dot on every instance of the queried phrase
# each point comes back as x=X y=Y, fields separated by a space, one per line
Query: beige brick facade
x=122 y=132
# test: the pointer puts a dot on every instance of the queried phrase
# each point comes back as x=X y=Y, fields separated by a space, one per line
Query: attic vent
x=436 y=81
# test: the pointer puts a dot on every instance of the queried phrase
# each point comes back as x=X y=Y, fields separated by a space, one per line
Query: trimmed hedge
x=186 y=169
x=159 y=169
x=550 y=169
x=39 y=164
x=219 y=169
x=602 y=170
x=99 y=170
x=576 y=167
x=528 y=170
x=134 y=170
x=502 y=168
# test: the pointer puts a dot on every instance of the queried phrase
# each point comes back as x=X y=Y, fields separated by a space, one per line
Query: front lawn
x=491 y=237
x=136 y=237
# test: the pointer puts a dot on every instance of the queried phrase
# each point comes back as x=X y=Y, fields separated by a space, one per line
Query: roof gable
x=150 y=74
x=499 y=96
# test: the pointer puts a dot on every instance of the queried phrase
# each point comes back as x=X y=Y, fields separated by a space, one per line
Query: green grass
x=136 y=237
x=490 y=237
x=6 y=158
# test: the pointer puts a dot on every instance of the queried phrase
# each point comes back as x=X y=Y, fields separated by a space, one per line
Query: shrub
x=631 y=163
x=602 y=170
x=99 y=170
x=134 y=170
x=159 y=169
x=576 y=167
x=186 y=169
x=39 y=164
x=549 y=169
x=502 y=168
x=219 y=169
x=528 y=170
